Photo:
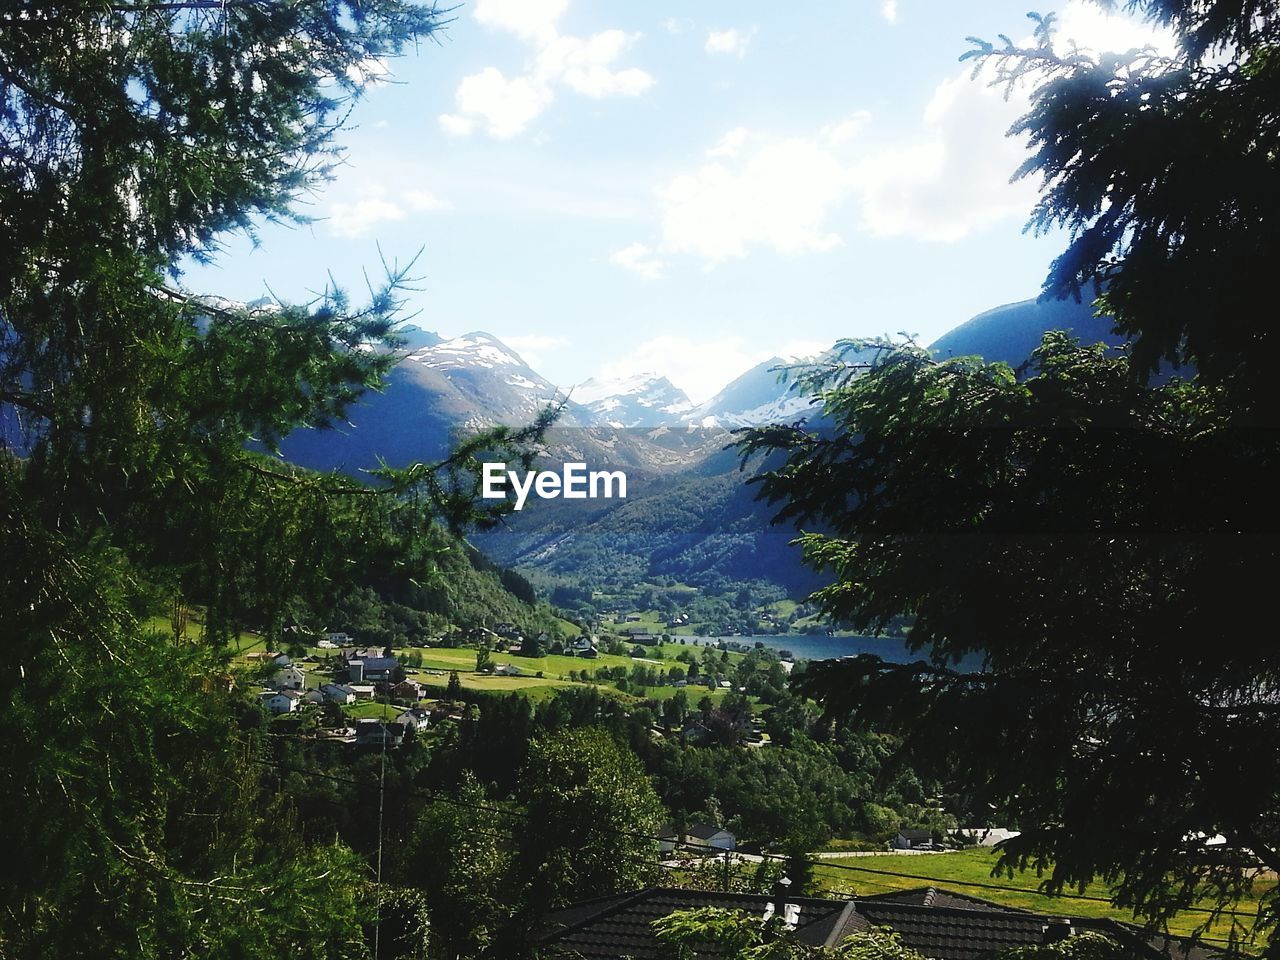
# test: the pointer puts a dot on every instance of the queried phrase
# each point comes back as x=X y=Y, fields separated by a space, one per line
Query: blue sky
x=684 y=187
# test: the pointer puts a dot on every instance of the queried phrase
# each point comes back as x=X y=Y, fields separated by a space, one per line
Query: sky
x=688 y=188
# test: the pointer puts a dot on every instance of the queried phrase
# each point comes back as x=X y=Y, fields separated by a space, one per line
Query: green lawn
x=955 y=870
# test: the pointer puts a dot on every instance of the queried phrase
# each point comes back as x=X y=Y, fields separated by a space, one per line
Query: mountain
x=758 y=396
x=642 y=400
x=1011 y=332
x=688 y=517
x=441 y=388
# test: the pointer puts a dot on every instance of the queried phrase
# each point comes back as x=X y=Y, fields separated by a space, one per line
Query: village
x=371 y=696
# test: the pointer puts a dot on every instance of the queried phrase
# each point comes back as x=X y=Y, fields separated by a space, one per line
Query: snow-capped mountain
x=443 y=388
x=488 y=376
x=641 y=400
x=758 y=396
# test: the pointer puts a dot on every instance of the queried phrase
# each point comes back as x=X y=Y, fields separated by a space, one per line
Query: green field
x=956 y=870
x=555 y=670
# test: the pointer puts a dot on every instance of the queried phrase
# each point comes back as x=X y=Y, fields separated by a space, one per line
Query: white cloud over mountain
x=505 y=106
x=941 y=182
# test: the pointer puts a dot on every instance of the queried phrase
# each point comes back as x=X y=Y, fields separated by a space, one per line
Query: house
x=983 y=836
x=375 y=669
x=710 y=836
x=346 y=654
x=312 y=696
x=336 y=639
x=289 y=678
x=284 y=701
x=363 y=691
x=507 y=670
x=643 y=637
x=375 y=733
x=405 y=690
x=668 y=838
x=338 y=693
x=912 y=839
x=579 y=645
x=414 y=719
x=937 y=923
x=326 y=645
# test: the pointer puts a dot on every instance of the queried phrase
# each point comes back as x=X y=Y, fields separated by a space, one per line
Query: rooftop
x=938 y=923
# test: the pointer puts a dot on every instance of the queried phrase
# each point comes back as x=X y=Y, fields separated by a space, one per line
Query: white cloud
x=640 y=259
x=369 y=72
x=374 y=204
x=504 y=107
x=1093 y=28
x=732 y=41
x=677 y=25
x=584 y=65
x=842 y=131
x=953 y=177
x=942 y=182
x=730 y=144
x=533 y=347
x=889 y=10
x=778 y=197
x=456 y=126
x=533 y=20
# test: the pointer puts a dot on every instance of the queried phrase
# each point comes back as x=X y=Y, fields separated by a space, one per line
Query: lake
x=819 y=647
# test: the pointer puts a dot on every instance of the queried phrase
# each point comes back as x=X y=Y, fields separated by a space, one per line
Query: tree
x=135 y=136
x=1082 y=549
x=453 y=690
x=592 y=817
x=457 y=859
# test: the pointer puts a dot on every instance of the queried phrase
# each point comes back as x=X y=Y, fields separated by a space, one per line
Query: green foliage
x=457 y=857
x=735 y=935
x=1084 y=553
x=1082 y=946
x=591 y=816
x=132 y=482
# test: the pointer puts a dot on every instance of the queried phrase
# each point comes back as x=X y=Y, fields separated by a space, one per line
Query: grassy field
x=555 y=670
x=955 y=870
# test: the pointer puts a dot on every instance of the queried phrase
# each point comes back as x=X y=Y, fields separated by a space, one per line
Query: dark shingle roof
x=705 y=831
x=938 y=923
x=954 y=933
x=622 y=926
x=933 y=897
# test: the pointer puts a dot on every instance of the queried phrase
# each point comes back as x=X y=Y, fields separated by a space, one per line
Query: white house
x=912 y=839
x=363 y=691
x=286 y=701
x=289 y=678
x=338 y=693
x=710 y=836
x=414 y=719
x=507 y=670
